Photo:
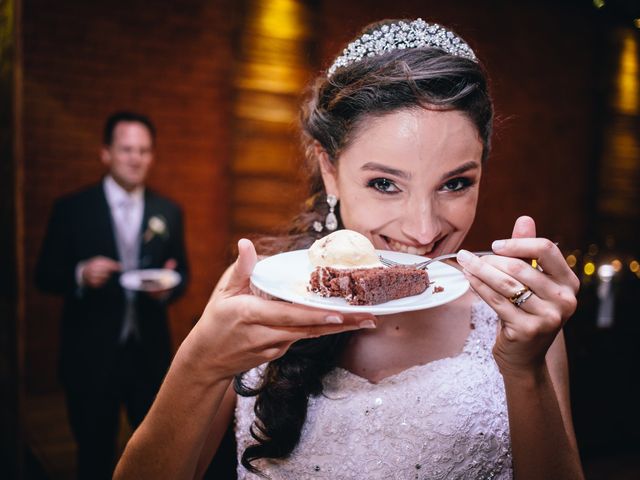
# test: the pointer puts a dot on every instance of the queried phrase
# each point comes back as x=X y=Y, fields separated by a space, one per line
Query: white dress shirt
x=126 y=208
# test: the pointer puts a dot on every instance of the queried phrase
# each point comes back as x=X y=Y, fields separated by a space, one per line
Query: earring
x=331 y=222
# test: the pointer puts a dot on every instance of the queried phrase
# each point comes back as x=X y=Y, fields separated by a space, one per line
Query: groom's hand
x=97 y=270
x=163 y=294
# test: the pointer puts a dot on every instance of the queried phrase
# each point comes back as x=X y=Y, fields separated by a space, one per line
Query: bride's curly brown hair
x=334 y=110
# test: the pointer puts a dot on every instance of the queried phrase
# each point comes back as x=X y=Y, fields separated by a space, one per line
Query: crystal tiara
x=399 y=36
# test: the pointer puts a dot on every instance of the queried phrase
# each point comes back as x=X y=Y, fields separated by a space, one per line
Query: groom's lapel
x=104 y=230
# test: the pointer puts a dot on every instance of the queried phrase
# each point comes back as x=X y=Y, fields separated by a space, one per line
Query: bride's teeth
x=401 y=247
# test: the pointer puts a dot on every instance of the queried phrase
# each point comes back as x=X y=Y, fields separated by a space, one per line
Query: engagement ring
x=521 y=296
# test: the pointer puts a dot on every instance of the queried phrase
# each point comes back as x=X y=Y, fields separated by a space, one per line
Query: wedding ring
x=521 y=296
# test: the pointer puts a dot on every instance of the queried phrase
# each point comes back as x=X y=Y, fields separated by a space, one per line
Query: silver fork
x=420 y=265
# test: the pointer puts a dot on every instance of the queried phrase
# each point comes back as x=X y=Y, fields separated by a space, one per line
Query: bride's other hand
x=527 y=330
x=238 y=330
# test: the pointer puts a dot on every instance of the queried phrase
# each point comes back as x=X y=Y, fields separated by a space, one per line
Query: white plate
x=150 y=279
x=286 y=276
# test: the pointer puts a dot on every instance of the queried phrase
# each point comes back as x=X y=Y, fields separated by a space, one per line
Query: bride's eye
x=457 y=184
x=383 y=185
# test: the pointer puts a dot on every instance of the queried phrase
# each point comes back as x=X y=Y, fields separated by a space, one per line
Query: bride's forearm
x=542 y=447
x=168 y=442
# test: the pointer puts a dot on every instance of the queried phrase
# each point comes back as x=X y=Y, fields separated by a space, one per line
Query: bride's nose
x=421 y=221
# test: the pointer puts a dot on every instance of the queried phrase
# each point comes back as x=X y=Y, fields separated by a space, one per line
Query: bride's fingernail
x=367 y=324
x=333 y=319
x=464 y=257
x=498 y=245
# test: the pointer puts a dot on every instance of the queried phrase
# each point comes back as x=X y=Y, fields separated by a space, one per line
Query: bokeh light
x=589 y=268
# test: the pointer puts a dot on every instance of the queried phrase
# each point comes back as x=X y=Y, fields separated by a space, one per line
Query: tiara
x=399 y=36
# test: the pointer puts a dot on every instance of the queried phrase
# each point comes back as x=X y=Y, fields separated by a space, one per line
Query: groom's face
x=130 y=154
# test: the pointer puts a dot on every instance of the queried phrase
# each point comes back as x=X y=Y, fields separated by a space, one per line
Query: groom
x=115 y=346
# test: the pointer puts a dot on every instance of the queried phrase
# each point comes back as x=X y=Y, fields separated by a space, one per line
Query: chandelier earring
x=331 y=221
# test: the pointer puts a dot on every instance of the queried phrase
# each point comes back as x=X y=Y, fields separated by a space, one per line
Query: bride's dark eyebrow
x=461 y=169
x=383 y=168
x=373 y=166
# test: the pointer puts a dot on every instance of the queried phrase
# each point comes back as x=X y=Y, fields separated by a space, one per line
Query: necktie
x=129 y=232
x=129 y=247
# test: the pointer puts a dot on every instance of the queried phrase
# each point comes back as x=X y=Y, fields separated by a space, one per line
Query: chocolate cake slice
x=368 y=286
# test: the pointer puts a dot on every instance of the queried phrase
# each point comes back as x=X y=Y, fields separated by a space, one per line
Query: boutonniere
x=157 y=225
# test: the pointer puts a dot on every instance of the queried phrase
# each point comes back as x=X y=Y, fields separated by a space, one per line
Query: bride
x=398 y=130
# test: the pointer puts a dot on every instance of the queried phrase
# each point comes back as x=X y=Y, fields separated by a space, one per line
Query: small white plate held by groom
x=150 y=280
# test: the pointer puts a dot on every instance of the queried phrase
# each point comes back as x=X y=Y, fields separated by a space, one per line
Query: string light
x=606 y=272
x=589 y=268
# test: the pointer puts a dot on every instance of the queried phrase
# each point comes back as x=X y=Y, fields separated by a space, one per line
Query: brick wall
x=83 y=60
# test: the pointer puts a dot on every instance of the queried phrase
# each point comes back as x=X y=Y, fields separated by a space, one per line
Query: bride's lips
x=421 y=250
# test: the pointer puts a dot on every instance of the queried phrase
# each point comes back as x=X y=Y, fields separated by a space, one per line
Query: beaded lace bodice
x=446 y=419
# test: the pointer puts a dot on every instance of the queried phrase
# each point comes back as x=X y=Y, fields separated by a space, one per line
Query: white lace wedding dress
x=443 y=420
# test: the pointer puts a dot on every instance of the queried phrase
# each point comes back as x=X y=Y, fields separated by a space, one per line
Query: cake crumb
x=437 y=289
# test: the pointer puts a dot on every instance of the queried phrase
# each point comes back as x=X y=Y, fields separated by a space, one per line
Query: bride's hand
x=239 y=331
x=528 y=330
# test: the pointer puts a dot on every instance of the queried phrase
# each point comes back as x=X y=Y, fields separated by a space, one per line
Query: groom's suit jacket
x=81 y=227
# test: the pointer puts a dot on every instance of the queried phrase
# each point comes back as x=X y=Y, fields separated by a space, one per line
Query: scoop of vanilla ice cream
x=343 y=249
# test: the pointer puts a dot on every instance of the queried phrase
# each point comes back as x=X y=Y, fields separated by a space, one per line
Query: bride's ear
x=327 y=169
